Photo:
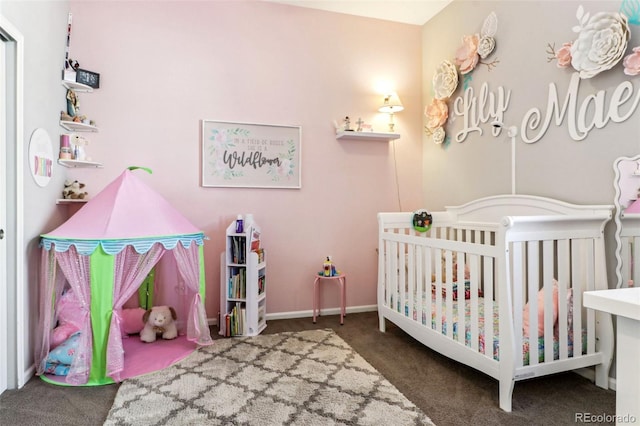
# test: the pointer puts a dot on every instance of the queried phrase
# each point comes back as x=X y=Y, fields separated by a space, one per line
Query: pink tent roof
x=126 y=208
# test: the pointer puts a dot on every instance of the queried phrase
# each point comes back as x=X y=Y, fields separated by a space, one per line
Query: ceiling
x=415 y=12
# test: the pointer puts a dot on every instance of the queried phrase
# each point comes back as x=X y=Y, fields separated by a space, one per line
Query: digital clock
x=91 y=79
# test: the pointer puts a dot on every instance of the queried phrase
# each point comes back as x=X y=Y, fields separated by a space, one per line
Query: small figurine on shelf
x=73 y=190
x=347 y=124
x=360 y=123
x=72 y=103
x=78 y=144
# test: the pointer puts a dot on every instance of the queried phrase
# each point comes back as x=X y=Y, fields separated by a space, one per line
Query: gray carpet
x=308 y=377
x=448 y=392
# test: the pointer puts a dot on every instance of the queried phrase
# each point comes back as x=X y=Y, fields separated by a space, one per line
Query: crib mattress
x=494 y=318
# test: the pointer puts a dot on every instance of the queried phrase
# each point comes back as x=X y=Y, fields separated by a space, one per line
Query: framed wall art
x=250 y=155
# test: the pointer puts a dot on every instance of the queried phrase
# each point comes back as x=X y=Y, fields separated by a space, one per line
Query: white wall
x=43 y=25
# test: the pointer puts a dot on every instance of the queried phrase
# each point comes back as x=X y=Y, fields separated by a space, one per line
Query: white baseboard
x=590 y=374
x=309 y=313
x=28 y=374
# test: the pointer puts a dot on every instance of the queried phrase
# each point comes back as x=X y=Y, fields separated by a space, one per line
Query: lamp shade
x=391 y=104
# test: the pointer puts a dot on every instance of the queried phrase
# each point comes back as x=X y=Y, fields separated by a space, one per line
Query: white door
x=12 y=281
x=4 y=304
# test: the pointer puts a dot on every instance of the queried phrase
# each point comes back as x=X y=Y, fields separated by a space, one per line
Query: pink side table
x=342 y=280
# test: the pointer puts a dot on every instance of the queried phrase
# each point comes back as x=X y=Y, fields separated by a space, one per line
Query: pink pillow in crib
x=132 y=320
x=525 y=314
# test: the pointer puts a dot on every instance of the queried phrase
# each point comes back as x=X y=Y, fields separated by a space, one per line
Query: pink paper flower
x=437 y=113
x=632 y=62
x=467 y=54
x=563 y=55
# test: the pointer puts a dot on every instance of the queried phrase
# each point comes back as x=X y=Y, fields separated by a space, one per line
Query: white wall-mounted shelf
x=362 y=136
x=74 y=126
x=71 y=201
x=78 y=87
x=78 y=163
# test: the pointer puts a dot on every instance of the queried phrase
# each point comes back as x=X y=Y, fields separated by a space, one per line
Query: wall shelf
x=370 y=136
x=71 y=201
x=78 y=87
x=74 y=126
x=78 y=163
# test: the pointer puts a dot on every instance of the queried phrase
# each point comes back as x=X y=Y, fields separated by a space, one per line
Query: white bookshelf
x=243 y=280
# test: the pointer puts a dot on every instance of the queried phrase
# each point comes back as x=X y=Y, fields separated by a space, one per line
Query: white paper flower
x=438 y=135
x=486 y=46
x=601 y=43
x=445 y=81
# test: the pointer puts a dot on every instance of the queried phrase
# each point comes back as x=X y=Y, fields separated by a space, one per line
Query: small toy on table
x=329 y=268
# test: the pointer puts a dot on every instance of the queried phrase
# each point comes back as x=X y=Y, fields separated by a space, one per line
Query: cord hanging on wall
x=512 y=132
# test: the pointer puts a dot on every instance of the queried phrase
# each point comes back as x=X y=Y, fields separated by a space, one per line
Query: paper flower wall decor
x=632 y=62
x=474 y=49
x=601 y=42
x=445 y=81
x=437 y=114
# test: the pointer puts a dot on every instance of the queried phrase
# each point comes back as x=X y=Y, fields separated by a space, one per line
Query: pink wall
x=165 y=66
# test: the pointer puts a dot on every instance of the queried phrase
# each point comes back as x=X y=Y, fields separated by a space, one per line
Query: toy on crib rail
x=422 y=220
x=159 y=320
x=73 y=190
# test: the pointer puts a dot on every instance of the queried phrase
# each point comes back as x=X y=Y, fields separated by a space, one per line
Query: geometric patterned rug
x=295 y=378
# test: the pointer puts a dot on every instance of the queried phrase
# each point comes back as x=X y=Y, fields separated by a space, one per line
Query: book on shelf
x=255 y=240
x=260 y=253
x=238 y=247
x=236 y=320
x=237 y=284
x=227 y=323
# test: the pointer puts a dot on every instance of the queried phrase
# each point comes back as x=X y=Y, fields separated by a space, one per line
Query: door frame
x=15 y=332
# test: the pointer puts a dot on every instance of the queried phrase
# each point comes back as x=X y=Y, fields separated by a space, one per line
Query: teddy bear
x=159 y=320
x=73 y=190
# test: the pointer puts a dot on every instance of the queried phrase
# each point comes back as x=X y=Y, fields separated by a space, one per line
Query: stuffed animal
x=455 y=269
x=73 y=190
x=159 y=320
x=69 y=313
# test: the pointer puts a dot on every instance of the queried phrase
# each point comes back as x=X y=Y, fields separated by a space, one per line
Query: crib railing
x=421 y=270
x=629 y=261
x=415 y=266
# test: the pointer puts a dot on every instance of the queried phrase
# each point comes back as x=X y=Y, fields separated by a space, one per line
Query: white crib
x=513 y=251
x=627 y=220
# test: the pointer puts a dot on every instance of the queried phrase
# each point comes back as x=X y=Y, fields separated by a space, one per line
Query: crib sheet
x=481 y=328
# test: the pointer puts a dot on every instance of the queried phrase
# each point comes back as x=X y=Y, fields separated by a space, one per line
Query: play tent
x=103 y=253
